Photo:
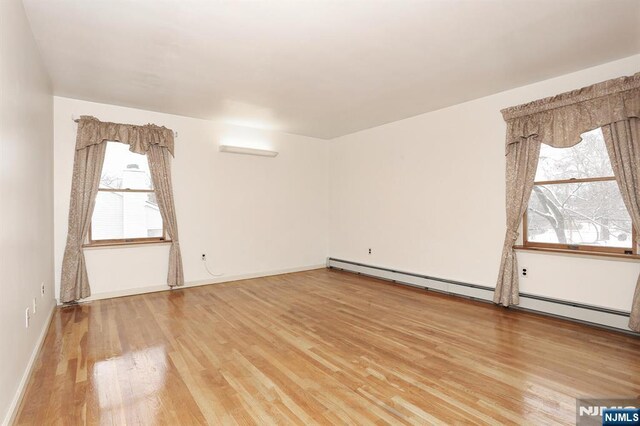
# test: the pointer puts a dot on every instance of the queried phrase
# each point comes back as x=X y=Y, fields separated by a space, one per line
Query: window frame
x=573 y=248
x=125 y=241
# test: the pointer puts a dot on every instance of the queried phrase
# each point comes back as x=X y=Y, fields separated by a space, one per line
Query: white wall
x=250 y=215
x=427 y=195
x=26 y=219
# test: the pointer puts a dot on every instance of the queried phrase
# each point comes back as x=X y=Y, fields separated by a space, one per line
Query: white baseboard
x=17 y=398
x=213 y=280
x=594 y=315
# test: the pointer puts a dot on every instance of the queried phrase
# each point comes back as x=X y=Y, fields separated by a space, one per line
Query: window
x=126 y=210
x=575 y=203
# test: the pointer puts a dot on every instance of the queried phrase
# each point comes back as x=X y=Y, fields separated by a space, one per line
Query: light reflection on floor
x=139 y=392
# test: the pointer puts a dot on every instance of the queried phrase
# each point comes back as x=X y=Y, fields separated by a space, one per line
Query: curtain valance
x=92 y=131
x=560 y=120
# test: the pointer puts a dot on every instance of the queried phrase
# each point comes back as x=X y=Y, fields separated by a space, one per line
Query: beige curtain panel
x=154 y=141
x=87 y=168
x=522 y=161
x=160 y=167
x=623 y=144
x=559 y=121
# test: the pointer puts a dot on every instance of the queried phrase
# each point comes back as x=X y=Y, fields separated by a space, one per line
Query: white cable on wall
x=204 y=261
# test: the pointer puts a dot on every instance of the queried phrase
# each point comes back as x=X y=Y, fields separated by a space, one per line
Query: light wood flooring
x=319 y=347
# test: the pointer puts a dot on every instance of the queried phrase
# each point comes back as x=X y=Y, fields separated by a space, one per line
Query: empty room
x=320 y=212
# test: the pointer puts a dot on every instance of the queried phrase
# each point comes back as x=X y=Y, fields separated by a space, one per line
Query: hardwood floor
x=319 y=347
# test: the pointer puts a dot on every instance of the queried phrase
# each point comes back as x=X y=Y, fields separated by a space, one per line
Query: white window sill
x=125 y=245
x=612 y=256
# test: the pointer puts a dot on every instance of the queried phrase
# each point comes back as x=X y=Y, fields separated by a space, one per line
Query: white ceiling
x=319 y=68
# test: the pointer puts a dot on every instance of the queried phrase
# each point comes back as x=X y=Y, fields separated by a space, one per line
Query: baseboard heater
x=594 y=315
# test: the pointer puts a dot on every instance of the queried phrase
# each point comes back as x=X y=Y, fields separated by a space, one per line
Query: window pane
x=123 y=215
x=587 y=159
x=590 y=213
x=124 y=169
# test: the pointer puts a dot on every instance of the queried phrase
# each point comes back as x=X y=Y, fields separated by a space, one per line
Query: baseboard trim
x=216 y=280
x=17 y=399
x=593 y=315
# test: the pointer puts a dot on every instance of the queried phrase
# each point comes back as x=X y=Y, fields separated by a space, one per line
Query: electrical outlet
x=27 y=317
x=35 y=305
x=524 y=272
x=42 y=289
x=204 y=257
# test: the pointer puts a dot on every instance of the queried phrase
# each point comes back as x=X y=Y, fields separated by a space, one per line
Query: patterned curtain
x=522 y=161
x=87 y=168
x=157 y=142
x=160 y=167
x=623 y=144
x=559 y=121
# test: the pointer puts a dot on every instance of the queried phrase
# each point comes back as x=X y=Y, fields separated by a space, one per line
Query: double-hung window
x=126 y=209
x=576 y=203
